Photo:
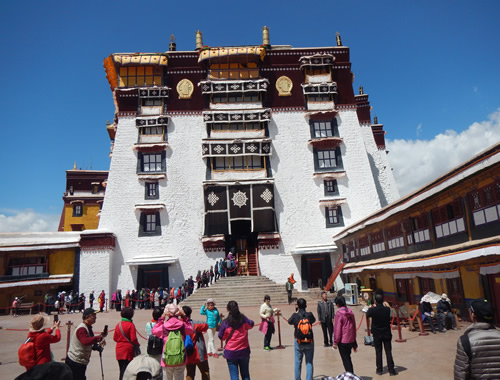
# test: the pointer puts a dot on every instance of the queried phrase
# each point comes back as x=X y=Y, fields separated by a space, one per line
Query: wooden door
x=426 y=285
x=455 y=293
x=494 y=280
x=404 y=290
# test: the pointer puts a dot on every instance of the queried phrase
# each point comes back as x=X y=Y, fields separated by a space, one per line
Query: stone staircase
x=247 y=291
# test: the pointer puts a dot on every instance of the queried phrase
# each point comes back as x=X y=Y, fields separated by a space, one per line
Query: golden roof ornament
x=361 y=90
x=74 y=166
x=265 y=36
x=339 y=40
x=375 y=120
x=199 y=40
x=172 y=45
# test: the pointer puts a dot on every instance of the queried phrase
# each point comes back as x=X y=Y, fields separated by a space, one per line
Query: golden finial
x=339 y=40
x=361 y=90
x=199 y=40
x=172 y=45
x=375 y=120
x=74 y=166
x=265 y=36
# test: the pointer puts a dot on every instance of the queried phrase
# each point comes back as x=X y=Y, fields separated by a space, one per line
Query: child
x=213 y=320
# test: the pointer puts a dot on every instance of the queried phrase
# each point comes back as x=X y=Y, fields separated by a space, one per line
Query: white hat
x=444 y=296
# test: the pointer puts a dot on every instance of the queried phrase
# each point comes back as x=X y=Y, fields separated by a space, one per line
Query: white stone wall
x=95 y=271
x=381 y=169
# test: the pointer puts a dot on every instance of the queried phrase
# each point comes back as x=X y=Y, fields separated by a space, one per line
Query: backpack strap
x=466 y=345
x=230 y=336
x=125 y=336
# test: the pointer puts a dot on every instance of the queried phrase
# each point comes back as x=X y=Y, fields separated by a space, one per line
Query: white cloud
x=417 y=162
x=27 y=220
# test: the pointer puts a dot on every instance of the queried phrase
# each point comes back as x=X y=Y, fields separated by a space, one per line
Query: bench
x=415 y=324
x=24 y=306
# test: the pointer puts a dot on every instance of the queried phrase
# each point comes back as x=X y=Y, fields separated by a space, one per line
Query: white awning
x=149 y=260
x=443 y=259
x=489 y=269
x=150 y=206
x=313 y=249
x=54 y=279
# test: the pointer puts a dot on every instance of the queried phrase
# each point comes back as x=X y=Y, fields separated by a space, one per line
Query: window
x=236 y=97
x=152 y=190
x=131 y=76
x=317 y=70
x=151 y=102
x=364 y=246
x=448 y=220
x=25 y=266
x=246 y=70
x=319 y=98
x=485 y=204
x=323 y=128
x=152 y=106
x=150 y=224
x=78 y=209
x=334 y=217
x=238 y=163
x=395 y=238
x=331 y=187
x=377 y=241
x=420 y=228
x=327 y=159
x=236 y=126
x=151 y=162
x=152 y=130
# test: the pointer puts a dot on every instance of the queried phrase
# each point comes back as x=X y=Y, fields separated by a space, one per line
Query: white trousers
x=211 y=345
x=174 y=373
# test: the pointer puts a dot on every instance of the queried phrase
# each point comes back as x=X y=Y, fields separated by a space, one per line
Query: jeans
x=386 y=341
x=243 y=364
x=441 y=319
x=302 y=349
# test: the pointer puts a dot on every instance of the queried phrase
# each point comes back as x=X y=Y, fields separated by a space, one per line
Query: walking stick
x=102 y=369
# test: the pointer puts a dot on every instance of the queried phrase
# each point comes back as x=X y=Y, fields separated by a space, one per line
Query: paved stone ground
x=420 y=357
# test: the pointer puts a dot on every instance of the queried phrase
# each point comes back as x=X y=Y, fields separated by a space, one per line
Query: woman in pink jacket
x=172 y=319
x=344 y=333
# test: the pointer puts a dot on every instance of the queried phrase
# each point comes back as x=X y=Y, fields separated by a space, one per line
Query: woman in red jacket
x=43 y=338
x=199 y=356
x=125 y=338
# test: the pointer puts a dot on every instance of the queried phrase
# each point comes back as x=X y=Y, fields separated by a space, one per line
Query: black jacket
x=381 y=321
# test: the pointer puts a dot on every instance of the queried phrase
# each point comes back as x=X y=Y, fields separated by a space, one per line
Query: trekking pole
x=400 y=340
x=278 y=313
x=102 y=369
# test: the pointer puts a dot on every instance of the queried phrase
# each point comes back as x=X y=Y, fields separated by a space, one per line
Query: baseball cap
x=88 y=311
x=482 y=308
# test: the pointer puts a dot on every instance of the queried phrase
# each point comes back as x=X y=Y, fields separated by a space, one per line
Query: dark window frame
x=152 y=190
x=331 y=187
x=337 y=157
x=336 y=220
x=78 y=209
x=150 y=224
x=141 y=163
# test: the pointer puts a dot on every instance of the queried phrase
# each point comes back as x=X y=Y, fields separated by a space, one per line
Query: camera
x=98 y=347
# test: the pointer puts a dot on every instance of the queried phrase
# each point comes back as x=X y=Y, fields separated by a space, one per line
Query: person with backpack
x=209 y=310
x=36 y=349
x=197 y=358
x=344 y=333
x=234 y=330
x=125 y=336
x=302 y=321
x=155 y=344
x=478 y=352
x=174 y=329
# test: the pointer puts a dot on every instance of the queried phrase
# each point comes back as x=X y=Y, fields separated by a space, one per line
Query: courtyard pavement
x=430 y=356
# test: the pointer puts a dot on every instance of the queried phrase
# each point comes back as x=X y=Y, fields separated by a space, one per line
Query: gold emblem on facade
x=185 y=89
x=284 y=86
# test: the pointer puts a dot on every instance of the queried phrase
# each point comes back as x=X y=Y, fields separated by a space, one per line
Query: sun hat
x=172 y=309
x=210 y=300
x=37 y=322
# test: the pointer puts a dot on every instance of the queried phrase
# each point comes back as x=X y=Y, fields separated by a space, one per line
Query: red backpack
x=27 y=354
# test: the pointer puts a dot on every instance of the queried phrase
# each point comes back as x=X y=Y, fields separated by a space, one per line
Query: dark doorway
x=494 y=282
x=426 y=285
x=152 y=276
x=456 y=296
x=404 y=290
x=315 y=270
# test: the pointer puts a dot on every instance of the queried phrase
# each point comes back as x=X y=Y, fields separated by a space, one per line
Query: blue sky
x=429 y=67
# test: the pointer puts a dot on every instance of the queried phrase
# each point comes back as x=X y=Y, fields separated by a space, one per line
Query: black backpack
x=155 y=345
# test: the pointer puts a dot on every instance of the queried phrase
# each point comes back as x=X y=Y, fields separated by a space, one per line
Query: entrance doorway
x=315 y=270
x=152 y=276
x=456 y=296
x=404 y=290
x=243 y=243
x=494 y=284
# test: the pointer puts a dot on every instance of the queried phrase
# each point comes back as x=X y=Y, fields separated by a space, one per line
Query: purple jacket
x=344 y=330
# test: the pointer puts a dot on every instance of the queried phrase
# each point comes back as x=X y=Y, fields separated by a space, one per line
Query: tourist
x=213 y=320
x=381 y=330
x=143 y=367
x=43 y=338
x=302 y=321
x=216 y=270
x=222 y=268
x=113 y=300
x=211 y=274
x=15 y=306
x=234 y=330
x=82 y=343
x=478 y=349
x=190 y=285
x=289 y=287
x=91 y=299
x=427 y=312
x=199 y=356
x=444 y=312
x=81 y=303
x=344 y=333
x=102 y=300
x=125 y=337
x=326 y=313
x=198 y=279
x=267 y=324
x=172 y=320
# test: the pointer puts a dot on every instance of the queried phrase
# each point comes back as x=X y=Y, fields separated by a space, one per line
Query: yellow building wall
x=385 y=282
x=89 y=219
x=471 y=281
x=62 y=261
